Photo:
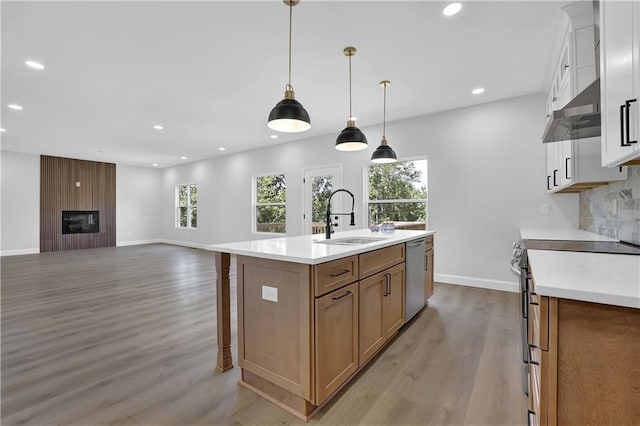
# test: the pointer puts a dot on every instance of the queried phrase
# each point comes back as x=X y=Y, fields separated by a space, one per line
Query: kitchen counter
x=612 y=279
x=562 y=234
x=305 y=249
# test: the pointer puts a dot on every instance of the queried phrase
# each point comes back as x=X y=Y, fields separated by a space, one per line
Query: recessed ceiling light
x=183 y=158
x=452 y=9
x=158 y=127
x=35 y=65
x=155 y=164
x=222 y=148
x=16 y=107
x=2 y=130
x=478 y=90
x=274 y=136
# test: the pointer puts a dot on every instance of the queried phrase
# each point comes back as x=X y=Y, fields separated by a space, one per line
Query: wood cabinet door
x=370 y=317
x=336 y=339
x=393 y=301
x=428 y=274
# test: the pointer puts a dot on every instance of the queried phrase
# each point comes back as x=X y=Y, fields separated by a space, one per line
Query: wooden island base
x=306 y=330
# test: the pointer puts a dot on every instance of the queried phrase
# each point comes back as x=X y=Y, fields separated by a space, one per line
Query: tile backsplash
x=613 y=210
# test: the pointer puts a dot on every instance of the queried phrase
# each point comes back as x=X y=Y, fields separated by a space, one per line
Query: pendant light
x=384 y=153
x=289 y=115
x=351 y=138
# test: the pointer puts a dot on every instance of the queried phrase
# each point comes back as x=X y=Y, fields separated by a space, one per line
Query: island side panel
x=223 y=310
x=274 y=332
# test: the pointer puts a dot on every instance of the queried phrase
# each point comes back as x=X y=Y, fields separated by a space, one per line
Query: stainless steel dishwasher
x=414 y=278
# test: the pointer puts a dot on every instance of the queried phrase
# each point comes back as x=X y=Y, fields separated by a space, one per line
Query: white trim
x=136 y=242
x=318 y=170
x=19 y=252
x=510 y=286
x=184 y=244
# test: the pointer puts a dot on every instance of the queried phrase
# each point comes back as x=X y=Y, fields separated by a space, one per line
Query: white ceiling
x=210 y=72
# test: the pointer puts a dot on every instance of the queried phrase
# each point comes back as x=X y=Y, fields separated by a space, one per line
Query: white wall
x=20 y=208
x=486 y=168
x=137 y=205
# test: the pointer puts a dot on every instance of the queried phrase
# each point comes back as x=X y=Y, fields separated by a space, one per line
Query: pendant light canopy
x=384 y=153
x=289 y=115
x=351 y=138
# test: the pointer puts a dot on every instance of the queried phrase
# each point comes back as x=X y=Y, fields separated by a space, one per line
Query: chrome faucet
x=328 y=228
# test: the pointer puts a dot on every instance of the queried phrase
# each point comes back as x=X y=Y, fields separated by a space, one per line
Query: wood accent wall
x=58 y=192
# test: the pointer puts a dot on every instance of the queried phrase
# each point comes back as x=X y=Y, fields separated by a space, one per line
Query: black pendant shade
x=384 y=154
x=289 y=116
x=351 y=139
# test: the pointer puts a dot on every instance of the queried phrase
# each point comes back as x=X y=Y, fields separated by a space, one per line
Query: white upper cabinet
x=620 y=81
x=576 y=165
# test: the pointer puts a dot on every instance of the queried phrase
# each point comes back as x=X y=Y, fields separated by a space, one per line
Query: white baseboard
x=185 y=244
x=513 y=287
x=136 y=243
x=19 y=252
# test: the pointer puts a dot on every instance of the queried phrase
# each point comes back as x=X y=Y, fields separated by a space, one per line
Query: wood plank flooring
x=127 y=336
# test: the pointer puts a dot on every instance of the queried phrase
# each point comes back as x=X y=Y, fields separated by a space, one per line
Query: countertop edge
x=349 y=250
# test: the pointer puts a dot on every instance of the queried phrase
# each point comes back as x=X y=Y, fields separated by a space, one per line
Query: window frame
x=368 y=201
x=189 y=206
x=255 y=204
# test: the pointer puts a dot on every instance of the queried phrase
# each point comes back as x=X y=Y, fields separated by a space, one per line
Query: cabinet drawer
x=538 y=321
x=428 y=242
x=378 y=260
x=332 y=275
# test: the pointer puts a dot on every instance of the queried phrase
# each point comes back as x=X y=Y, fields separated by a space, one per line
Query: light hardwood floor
x=127 y=336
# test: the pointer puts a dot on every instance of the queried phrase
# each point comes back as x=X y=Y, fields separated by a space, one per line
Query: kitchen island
x=312 y=312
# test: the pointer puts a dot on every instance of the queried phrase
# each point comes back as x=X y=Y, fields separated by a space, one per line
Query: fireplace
x=80 y=222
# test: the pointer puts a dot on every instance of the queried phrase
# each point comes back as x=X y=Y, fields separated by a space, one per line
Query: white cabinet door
x=619 y=80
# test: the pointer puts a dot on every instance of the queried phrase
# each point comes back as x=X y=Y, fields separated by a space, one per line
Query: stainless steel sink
x=350 y=241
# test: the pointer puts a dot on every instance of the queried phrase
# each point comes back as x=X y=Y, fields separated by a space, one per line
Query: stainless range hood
x=579 y=119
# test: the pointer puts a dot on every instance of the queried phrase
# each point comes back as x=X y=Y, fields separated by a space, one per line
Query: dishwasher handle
x=415 y=243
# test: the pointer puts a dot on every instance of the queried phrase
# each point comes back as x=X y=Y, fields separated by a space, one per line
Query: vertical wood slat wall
x=58 y=192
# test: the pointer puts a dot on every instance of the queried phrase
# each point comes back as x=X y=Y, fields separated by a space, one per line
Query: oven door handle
x=514 y=265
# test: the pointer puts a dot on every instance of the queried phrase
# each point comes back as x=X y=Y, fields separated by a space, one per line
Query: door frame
x=318 y=170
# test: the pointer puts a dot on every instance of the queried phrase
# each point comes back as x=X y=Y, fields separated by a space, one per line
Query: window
x=270 y=196
x=398 y=193
x=187 y=206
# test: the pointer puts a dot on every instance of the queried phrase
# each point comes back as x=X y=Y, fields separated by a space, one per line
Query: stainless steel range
x=520 y=266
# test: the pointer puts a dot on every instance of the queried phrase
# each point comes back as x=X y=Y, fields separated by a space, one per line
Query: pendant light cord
x=384 y=113
x=290 y=25
x=350 y=113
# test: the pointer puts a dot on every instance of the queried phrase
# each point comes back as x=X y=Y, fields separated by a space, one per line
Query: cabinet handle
x=529 y=421
x=548 y=183
x=566 y=167
x=346 y=271
x=628 y=105
x=554 y=99
x=343 y=296
x=555 y=175
x=388 y=282
x=426 y=263
x=622 y=108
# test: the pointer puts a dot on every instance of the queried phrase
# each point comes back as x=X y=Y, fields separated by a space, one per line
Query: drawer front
x=379 y=260
x=428 y=242
x=538 y=321
x=332 y=275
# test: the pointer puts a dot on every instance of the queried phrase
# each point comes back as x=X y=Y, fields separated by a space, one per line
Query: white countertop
x=612 y=279
x=561 y=234
x=303 y=249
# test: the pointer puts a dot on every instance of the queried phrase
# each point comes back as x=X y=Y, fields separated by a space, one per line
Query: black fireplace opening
x=80 y=222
